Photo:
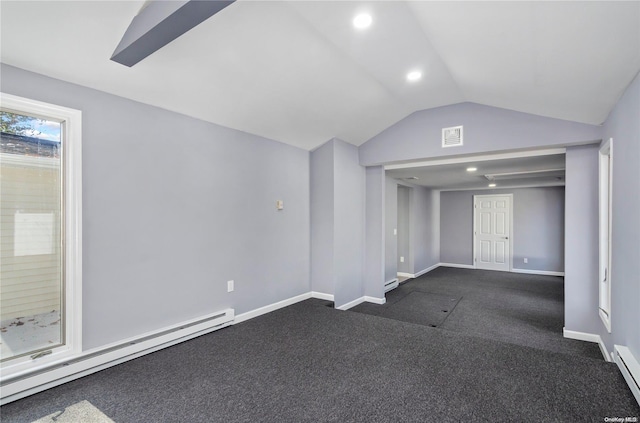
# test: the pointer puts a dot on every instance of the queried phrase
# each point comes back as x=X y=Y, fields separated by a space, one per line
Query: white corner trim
x=538 y=272
x=629 y=367
x=461 y=266
x=321 y=296
x=271 y=307
x=350 y=304
x=100 y=358
x=589 y=337
x=375 y=300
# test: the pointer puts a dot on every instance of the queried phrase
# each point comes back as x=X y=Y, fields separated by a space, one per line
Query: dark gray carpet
x=422 y=308
x=311 y=363
x=508 y=307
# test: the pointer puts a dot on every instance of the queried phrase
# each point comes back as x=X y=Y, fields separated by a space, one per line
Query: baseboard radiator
x=24 y=384
x=629 y=367
x=392 y=284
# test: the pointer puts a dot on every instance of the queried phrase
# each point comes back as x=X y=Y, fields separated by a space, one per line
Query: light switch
x=395 y=232
x=279 y=204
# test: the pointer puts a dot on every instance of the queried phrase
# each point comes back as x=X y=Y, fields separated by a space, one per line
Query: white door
x=492 y=232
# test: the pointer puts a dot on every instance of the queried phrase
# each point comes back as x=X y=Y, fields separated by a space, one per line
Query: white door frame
x=511 y=243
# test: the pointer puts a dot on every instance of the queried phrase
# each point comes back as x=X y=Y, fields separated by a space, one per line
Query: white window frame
x=605 y=171
x=71 y=121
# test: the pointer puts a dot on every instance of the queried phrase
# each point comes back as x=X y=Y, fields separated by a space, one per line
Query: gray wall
x=581 y=235
x=416 y=212
x=404 y=230
x=349 y=218
x=391 y=223
x=456 y=227
x=425 y=230
x=375 y=237
x=538 y=227
x=174 y=207
x=486 y=129
x=624 y=127
x=322 y=204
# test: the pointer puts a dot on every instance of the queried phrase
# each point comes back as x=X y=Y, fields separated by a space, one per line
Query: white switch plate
x=526 y=260
x=401 y=259
x=229 y=286
x=395 y=232
x=279 y=205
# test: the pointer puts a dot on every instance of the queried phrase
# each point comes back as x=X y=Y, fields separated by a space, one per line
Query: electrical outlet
x=229 y=286
x=401 y=259
x=526 y=260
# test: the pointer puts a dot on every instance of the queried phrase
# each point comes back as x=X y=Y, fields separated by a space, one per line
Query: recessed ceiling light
x=362 y=21
x=414 y=75
x=472 y=169
x=492 y=185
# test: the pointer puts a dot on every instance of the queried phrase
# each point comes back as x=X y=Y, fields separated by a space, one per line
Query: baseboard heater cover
x=629 y=367
x=392 y=284
x=27 y=383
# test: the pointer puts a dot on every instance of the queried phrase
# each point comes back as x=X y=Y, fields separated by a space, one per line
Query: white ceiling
x=544 y=170
x=300 y=73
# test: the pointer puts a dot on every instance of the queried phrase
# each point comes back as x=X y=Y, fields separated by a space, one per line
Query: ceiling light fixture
x=362 y=21
x=472 y=169
x=414 y=76
x=492 y=185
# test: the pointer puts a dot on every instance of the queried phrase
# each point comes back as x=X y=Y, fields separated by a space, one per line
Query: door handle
x=505 y=237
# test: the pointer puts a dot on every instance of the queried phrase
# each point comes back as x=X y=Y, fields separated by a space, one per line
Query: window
x=41 y=240
x=605 y=200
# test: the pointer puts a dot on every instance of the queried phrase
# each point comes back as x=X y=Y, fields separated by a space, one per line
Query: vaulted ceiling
x=300 y=72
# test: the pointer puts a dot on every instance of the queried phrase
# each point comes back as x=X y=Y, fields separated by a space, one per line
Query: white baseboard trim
x=427 y=270
x=94 y=360
x=321 y=296
x=460 y=266
x=361 y=300
x=350 y=304
x=271 y=307
x=420 y=273
x=629 y=367
x=375 y=300
x=589 y=337
x=538 y=272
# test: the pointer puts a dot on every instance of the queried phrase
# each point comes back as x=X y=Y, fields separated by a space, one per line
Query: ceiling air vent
x=452 y=137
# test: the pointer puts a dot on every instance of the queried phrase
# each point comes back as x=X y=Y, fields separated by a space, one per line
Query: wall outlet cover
x=229 y=286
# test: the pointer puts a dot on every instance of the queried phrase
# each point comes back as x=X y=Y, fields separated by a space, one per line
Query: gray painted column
x=349 y=221
x=581 y=240
x=322 y=223
x=337 y=221
x=374 y=270
x=391 y=229
x=405 y=256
